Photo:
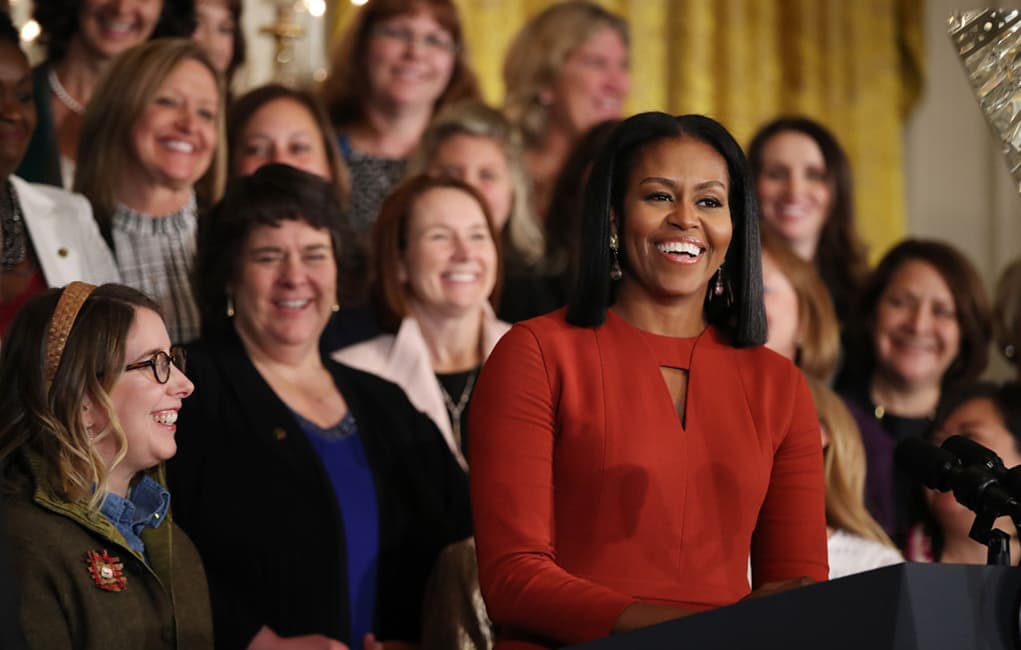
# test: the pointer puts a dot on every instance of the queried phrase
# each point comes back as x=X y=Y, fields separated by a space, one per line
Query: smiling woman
x=145 y=188
x=398 y=63
x=663 y=334
x=925 y=328
x=91 y=394
x=82 y=37
x=437 y=264
x=567 y=70
x=320 y=447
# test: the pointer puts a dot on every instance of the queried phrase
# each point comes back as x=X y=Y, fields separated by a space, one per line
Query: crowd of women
x=697 y=404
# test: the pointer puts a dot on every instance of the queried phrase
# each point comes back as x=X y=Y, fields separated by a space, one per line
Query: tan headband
x=70 y=303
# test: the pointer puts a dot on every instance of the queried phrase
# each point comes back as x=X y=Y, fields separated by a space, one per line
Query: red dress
x=589 y=494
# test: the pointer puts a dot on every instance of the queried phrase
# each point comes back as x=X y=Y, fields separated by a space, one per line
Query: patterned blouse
x=372 y=179
x=156 y=255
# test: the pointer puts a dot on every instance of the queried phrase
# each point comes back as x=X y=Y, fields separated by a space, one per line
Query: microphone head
x=972 y=453
x=926 y=463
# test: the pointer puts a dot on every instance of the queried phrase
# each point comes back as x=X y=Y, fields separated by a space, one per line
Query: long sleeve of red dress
x=589 y=493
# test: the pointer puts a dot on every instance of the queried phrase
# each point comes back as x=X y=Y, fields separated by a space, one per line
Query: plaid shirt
x=156 y=255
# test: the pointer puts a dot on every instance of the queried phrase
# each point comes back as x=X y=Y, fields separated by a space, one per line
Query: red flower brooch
x=106 y=571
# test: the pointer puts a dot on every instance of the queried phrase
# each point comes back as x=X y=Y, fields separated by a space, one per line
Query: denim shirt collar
x=146 y=505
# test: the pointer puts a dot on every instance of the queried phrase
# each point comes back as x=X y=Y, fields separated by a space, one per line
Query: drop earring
x=615 y=272
x=230 y=305
x=718 y=289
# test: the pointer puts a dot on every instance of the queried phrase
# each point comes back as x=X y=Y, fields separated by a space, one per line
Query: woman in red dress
x=632 y=453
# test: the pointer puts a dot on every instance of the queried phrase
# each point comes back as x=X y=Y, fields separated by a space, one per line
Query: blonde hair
x=45 y=418
x=818 y=329
x=844 y=467
x=474 y=118
x=1007 y=313
x=539 y=50
x=115 y=108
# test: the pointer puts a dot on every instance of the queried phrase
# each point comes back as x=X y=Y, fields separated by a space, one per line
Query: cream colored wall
x=956 y=181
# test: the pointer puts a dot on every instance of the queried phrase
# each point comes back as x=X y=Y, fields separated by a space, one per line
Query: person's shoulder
x=370 y=350
x=762 y=362
x=40 y=198
x=361 y=384
x=551 y=326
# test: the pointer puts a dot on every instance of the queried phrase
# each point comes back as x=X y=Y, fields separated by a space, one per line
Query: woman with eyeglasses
x=340 y=493
x=399 y=62
x=91 y=394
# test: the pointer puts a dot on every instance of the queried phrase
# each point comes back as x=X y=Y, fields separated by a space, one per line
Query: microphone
x=973 y=453
x=974 y=486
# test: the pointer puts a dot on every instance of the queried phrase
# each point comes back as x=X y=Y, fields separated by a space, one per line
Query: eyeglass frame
x=179 y=362
x=409 y=37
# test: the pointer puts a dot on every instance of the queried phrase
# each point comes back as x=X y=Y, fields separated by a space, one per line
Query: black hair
x=1006 y=399
x=58 y=20
x=272 y=194
x=8 y=32
x=739 y=313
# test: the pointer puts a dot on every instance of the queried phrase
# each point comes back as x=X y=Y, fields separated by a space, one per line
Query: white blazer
x=64 y=235
x=404 y=360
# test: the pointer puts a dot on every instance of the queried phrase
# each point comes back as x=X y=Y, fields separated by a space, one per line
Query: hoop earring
x=615 y=272
x=718 y=289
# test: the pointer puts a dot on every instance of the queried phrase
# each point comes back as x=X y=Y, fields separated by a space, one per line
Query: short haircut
x=739 y=313
x=115 y=108
x=389 y=242
x=45 y=418
x=58 y=22
x=840 y=256
x=475 y=118
x=538 y=52
x=274 y=193
x=971 y=306
x=1006 y=398
x=818 y=329
x=346 y=88
x=244 y=107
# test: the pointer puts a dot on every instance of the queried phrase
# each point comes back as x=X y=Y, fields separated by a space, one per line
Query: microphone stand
x=997 y=541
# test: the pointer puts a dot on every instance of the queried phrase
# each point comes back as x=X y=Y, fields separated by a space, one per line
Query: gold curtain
x=854 y=65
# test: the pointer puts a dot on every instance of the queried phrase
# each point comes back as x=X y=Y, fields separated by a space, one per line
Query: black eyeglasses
x=160 y=363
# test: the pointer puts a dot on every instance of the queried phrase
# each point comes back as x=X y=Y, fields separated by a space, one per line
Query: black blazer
x=250 y=490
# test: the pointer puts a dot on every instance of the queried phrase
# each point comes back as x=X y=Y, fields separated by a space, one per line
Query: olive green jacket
x=164 y=603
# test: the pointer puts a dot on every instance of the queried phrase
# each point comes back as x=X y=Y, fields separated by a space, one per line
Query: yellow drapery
x=854 y=65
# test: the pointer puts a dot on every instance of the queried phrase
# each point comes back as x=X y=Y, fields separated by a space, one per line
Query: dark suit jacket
x=252 y=493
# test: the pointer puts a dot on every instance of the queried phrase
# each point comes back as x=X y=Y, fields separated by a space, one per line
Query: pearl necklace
x=61 y=93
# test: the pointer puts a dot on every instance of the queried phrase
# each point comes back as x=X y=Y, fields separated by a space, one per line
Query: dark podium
x=903 y=607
